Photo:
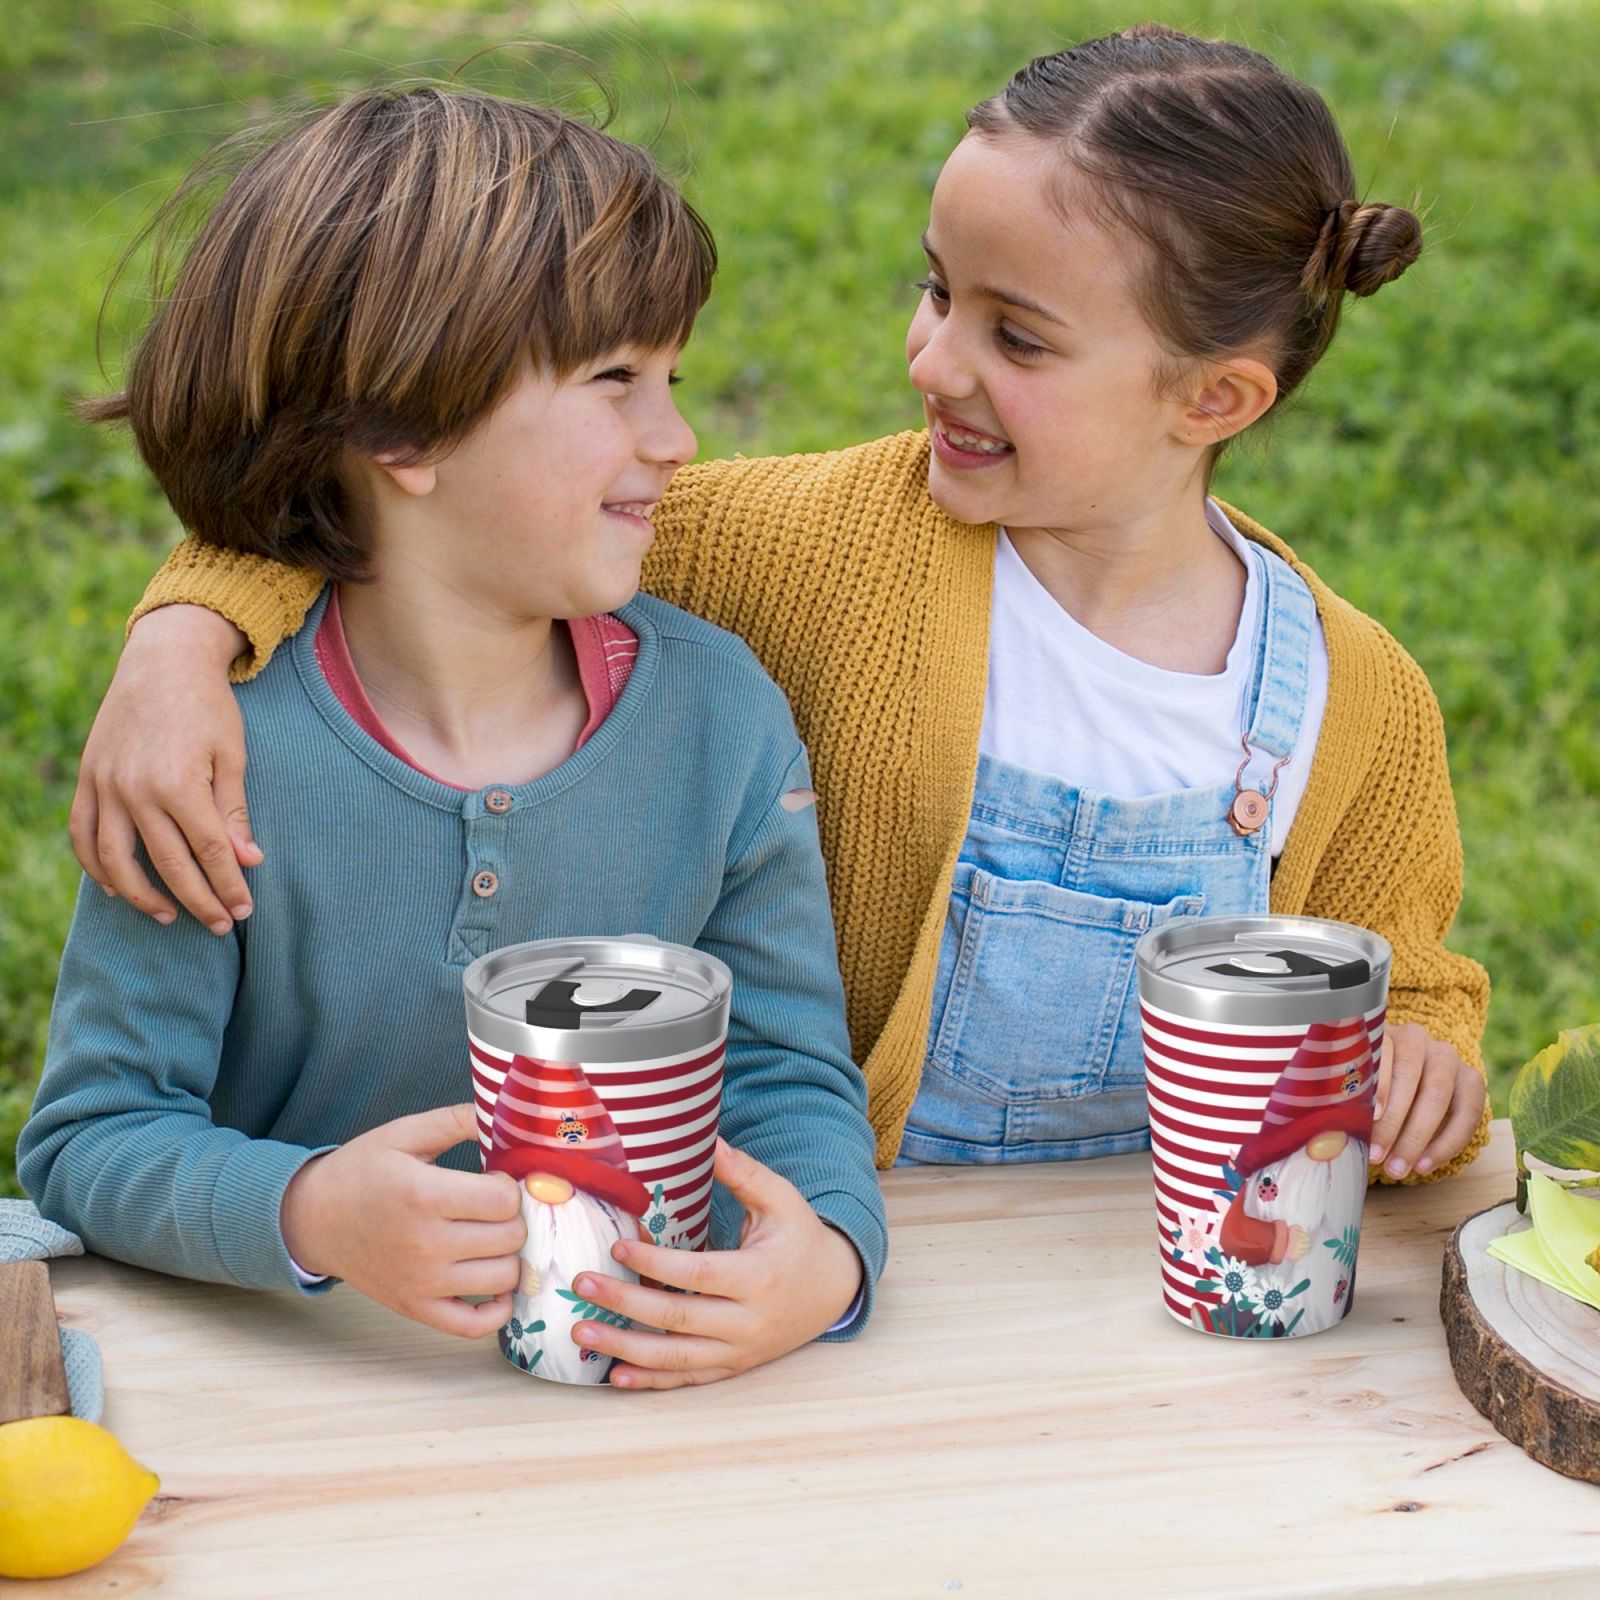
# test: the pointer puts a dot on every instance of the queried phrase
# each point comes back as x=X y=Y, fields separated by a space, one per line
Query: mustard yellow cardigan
x=870 y=607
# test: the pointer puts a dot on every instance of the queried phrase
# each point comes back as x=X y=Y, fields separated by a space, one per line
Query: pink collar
x=606 y=648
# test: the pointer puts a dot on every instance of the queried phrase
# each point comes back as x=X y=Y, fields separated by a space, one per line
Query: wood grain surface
x=1021 y=1419
x=1527 y=1356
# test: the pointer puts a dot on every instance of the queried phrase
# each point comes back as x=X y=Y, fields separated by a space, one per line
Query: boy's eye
x=616 y=375
x=1018 y=347
x=934 y=290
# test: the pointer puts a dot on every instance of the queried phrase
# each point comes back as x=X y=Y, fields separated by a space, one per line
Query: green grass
x=1437 y=469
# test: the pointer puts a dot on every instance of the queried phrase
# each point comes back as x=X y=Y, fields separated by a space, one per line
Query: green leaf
x=1555 y=1102
x=1299 y=1288
x=1206 y=1285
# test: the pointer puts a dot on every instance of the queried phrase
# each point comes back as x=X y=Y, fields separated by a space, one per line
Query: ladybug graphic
x=572 y=1131
x=1340 y=1291
x=1267 y=1189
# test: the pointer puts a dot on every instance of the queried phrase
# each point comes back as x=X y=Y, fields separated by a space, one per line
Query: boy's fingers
x=114 y=838
x=1410 y=1046
x=493 y=1240
x=698 y=1271
x=497 y=1276
x=1466 y=1112
x=431 y=1133
x=660 y=1352
x=756 y=1187
x=707 y=1315
x=463 y=1320
x=493 y=1197
x=630 y=1377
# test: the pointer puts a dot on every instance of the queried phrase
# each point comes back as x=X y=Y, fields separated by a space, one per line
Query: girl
x=1055 y=693
x=424 y=345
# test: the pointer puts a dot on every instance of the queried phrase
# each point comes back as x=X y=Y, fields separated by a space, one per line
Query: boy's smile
x=543 y=508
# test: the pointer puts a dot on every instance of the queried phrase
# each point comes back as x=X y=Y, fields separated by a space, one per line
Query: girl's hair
x=1233 y=172
x=376 y=278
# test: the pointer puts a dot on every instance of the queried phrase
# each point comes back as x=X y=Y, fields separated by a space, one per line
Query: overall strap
x=1283 y=647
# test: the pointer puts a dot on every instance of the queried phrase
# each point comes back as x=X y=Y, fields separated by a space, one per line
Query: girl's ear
x=1235 y=393
x=409 y=477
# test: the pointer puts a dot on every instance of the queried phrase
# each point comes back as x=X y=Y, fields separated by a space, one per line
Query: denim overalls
x=1034 y=1052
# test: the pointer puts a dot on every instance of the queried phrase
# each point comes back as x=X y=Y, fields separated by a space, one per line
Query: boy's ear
x=409 y=477
x=1235 y=393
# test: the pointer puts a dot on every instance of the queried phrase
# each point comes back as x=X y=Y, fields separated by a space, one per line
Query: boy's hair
x=376 y=279
x=1235 y=175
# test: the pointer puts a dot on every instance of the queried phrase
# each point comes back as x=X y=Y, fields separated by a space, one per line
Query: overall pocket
x=1039 y=1017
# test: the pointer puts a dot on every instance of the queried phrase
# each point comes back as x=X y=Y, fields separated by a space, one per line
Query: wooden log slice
x=1525 y=1355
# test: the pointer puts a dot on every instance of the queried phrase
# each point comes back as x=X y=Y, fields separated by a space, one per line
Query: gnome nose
x=545 y=1186
x=1326 y=1145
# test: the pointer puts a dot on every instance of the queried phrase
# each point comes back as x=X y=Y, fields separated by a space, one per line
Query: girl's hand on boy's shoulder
x=791 y=1279
x=1430 y=1102
x=165 y=763
x=412 y=1236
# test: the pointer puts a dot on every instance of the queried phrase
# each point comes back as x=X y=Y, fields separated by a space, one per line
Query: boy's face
x=543 y=508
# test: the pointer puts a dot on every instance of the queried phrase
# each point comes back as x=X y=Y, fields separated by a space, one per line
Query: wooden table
x=1022 y=1418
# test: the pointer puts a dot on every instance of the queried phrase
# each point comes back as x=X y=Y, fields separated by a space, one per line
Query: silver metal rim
x=704 y=1030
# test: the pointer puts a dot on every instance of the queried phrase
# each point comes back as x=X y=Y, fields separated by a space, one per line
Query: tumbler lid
x=573 y=998
x=1264 y=969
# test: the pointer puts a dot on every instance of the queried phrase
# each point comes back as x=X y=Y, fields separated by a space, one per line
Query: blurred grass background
x=1438 y=469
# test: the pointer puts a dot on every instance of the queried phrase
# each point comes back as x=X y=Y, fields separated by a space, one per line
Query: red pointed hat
x=548 y=1118
x=1329 y=1086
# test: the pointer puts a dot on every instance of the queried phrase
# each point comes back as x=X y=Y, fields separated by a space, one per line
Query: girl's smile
x=1039 y=374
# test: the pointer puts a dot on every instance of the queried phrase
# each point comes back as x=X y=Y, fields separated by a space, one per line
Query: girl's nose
x=937 y=365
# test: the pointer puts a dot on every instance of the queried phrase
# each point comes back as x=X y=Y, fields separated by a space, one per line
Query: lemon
x=69 y=1495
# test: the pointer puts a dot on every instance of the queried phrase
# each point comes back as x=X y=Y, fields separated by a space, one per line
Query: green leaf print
x=1344 y=1247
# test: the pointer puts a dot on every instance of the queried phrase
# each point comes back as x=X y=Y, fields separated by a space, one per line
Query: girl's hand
x=1429 y=1101
x=165 y=760
x=412 y=1236
x=791 y=1278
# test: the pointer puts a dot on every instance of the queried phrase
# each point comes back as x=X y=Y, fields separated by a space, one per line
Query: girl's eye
x=1018 y=347
x=616 y=375
x=934 y=290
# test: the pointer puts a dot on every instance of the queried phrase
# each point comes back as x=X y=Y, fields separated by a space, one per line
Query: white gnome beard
x=1323 y=1198
x=564 y=1241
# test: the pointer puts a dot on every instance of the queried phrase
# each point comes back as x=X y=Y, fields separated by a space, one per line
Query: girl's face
x=1037 y=369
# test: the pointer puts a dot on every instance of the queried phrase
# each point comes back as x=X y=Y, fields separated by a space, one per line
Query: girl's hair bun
x=1361 y=248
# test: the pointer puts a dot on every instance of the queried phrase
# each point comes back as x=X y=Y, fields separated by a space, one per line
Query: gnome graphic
x=1296 y=1216
x=553 y=1135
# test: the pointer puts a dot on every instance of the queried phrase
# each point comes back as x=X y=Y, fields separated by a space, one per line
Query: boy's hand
x=791 y=1278
x=165 y=761
x=412 y=1236
x=1429 y=1101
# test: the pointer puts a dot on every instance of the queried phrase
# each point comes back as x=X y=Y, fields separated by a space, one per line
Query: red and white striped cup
x=1261 y=1038
x=597 y=1076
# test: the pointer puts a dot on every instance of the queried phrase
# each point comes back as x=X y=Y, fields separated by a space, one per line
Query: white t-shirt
x=1064 y=702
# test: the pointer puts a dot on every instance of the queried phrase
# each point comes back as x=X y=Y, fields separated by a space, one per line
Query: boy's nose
x=669 y=440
